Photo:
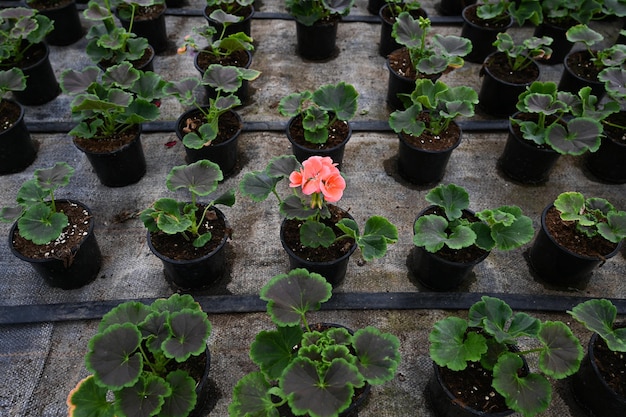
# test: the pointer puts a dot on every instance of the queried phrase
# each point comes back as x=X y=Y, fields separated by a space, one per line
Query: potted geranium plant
x=549 y=123
x=599 y=383
x=189 y=237
x=64 y=15
x=147 y=360
x=23 y=32
x=56 y=236
x=388 y=14
x=146 y=19
x=508 y=71
x=211 y=131
x=109 y=44
x=110 y=107
x=427 y=131
x=315 y=234
x=316 y=25
x=577 y=235
x=485 y=350
x=243 y=10
x=419 y=58
x=304 y=365
x=17 y=149
x=320 y=120
x=450 y=239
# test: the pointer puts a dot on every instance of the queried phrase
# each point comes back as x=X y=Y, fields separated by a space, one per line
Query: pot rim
x=120 y=149
x=202 y=71
x=186 y=114
x=483 y=28
x=322 y=151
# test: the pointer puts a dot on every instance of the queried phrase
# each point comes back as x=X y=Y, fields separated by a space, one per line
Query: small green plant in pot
x=314 y=370
x=485 y=339
x=452 y=233
x=308 y=12
x=136 y=361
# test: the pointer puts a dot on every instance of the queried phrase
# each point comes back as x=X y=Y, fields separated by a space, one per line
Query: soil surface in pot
x=337 y=133
x=143 y=13
x=534 y=117
x=611 y=127
x=581 y=65
x=228 y=125
x=400 y=62
x=458 y=255
x=179 y=248
x=137 y=63
x=428 y=141
x=319 y=254
x=49 y=4
x=61 y=248
x=9 y=114
x=236 y=59
x=108 y=144
x=566 y=234
x=495 y=23
x=612 y=366
x=498 y=65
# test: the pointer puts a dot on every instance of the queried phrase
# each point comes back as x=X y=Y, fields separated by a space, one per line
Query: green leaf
x=452 y=198
x=77 y=82
x=258 y=185
x=314 y=234
x=452 y=346
x=406 y=121
x=340 y=99
x=199 y=178
x=144 y=399
x=252 y=397
x=598 y=315
x=430 y=232
x=274 y=350
x=577 y=137
x=49 y=179
x=293 y=208
x=41 y=225
x=291 y=105
x=129 y=312
x=492 y=314
x=190 y=331
x=377 y=354
x=89 y=399
x=12 y=80
x=183 y=397
x=562 y=351
x=571 y=206
x=291 y=295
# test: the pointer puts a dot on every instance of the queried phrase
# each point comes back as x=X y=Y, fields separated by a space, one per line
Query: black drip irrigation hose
x=235 y=304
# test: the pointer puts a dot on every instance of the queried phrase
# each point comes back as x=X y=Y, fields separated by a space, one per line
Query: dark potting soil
x=445 y=140
x=137 y=63
x=319 y=254
x=143 y=13
x=9 y=113
x=228 y=125
x=612 y=366
x=76 y=230
x=48 y=4
x=400 y=62
x=581 y=65
x=499 y=22
x=472 y=388
x=614 y=127
x=108 y=144
x=566 y=234
x=236 y=59
x=464 y=255
x=498 y=65
x=337 y=133
x=178 y=247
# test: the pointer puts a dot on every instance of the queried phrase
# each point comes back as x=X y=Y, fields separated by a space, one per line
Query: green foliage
x=308 y=12
x=219 y=45
x=11 y=80
x=127 y=9
x=108 y=103
x=441 y=54
x=321 y=108
x=521 y=11
x=226 y=80
x=487 y=337
x=598 y=315
x=563 y=11
x=229 y=6
x=20 y=29
x=398 y=6
x=130 y=355
x=313 y=371
x=570 y=124
x=504 y=228
x=521 y=55
x=593 y=216
x=36 y=214
x=172 y=217
x=442 y=103
x=612 y=56
x=258 y=185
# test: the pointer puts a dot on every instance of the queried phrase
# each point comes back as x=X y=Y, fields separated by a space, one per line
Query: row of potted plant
x=154 y=359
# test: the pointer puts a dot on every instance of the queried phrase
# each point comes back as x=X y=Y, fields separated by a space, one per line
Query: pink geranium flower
x=319 y=175
x=332 y=187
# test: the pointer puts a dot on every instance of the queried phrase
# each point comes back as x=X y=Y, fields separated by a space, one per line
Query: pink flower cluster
x=319 y=175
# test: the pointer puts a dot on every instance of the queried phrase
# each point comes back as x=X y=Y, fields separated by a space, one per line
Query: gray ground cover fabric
x=42 y=362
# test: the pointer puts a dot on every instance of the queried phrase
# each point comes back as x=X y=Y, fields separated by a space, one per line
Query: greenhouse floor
x=44 y=331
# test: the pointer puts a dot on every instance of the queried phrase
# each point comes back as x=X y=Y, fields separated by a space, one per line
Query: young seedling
x=310 y=11
x=613 y=56
x=521 y=55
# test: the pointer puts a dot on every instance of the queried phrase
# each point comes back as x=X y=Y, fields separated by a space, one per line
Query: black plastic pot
x=453 y=7
x=79 y=269
x=223 y=154
x=317 y=42
x=121 y=167
x=607 y=163
x=154 y=30
x=67 y=26
x=423 y=166
x=524 y=162
x=194 y=274
x=373 y=6
x=482 y=37
x=558 y=265
x=243 y=93
x=560 y=45
x=590 y=388
x=302 y=153
x=572 y=82
x=242 y=26
x=387 y=43
x=17 y=149
x=498 y=97
x=202 y=389
x=436 y=272
x=41 y=83
x=334 y=271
